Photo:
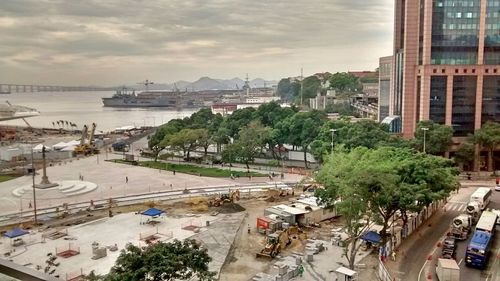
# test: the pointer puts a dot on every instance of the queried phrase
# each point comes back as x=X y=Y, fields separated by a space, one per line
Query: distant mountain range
x=207 y=83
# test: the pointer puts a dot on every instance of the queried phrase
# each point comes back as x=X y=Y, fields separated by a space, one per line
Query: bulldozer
x=220 y=199
x=87 y=148
x=275 y=243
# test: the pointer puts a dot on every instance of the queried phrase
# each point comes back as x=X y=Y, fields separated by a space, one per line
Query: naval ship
x=166 y=99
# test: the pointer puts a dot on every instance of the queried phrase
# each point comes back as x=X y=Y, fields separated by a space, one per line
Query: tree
x=239 y=119
x=489 y=138
x=162 y=262
x=186 y=141
x=287 y=89
x=464 y=154
x=156 y=142
x=388 y=179
x=251 y=139
x=302 y=129
x=311 y=86
x=343 y=109
x=438 y=138
x=352 y=207
x=343 y=82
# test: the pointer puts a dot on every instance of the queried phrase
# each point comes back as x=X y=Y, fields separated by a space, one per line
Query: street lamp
x=425 y=131
x=333 y=132
x=33 y=179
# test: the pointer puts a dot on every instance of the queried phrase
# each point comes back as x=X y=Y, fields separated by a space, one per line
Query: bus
x=482 y=196
x=477 y=251
x=487 y=222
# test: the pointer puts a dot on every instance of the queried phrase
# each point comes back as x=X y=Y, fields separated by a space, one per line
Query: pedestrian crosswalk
x=456 y=206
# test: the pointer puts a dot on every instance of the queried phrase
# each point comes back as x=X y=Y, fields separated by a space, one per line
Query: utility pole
x=333 y=132
x=33 y=179
x=425 y=130
x=301 y=87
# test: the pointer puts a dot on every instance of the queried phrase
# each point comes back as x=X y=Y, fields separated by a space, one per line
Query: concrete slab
x=120 y=230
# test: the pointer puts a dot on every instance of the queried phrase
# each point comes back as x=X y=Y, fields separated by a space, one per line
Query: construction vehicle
x=461 y=226
x=87 y=148
x=275 y=243
x=474 y=210
x=220 y=199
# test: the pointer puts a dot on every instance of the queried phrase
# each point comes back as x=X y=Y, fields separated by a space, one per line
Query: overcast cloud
x=109 y=42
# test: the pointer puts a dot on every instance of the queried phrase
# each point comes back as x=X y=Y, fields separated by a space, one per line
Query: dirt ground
x=242 y=263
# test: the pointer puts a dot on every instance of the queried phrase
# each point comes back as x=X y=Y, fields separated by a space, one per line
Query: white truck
x=461 y=226
x=448 y=270
x=474 y=210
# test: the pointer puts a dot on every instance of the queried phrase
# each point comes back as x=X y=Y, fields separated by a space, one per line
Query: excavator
x=87 y=148
x=220 y=199
x=275 y=243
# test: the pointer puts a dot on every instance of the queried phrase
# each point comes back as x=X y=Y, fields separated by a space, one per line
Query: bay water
x=86 y=108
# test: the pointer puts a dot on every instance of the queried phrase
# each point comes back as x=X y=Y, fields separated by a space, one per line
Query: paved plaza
x=111 y=182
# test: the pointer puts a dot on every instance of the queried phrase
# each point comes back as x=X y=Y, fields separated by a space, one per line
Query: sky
x=114 y=42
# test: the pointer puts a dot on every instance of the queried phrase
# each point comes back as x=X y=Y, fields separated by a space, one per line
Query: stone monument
x=45 y=183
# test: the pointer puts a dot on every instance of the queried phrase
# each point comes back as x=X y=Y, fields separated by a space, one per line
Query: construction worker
x=248 y=228
x=301 y=270
x=393 y=255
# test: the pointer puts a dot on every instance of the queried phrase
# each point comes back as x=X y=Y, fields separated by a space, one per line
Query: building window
x=464 y=101
x=491 y=99
x=437 y=110
x=455 y=32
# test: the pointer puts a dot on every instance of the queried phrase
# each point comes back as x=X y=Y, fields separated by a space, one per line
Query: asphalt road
x=425 y=241
x=467 y=273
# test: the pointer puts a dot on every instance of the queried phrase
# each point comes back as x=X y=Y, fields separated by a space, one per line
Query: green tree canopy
x=251 y=139
x=287 y=89
x=186 y=140
x=302 y=129
x=162 y=262
x=489 y=138
x=156 y=143
x=387 y=179
x=438 y=138
x=343 y=82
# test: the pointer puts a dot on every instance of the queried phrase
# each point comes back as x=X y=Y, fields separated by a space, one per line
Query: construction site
x=253 y=228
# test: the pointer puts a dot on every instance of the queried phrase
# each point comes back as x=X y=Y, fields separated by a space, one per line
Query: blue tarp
x=371 y=236
x=153 y=212
x=16 y=232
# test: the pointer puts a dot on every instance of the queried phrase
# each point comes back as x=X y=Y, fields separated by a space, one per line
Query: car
x=497 y=187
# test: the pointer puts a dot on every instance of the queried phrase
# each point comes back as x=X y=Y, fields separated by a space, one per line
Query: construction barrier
x=67 y=251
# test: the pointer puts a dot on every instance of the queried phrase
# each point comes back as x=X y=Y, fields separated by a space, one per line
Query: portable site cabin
x=284 y=213
x=317 y=212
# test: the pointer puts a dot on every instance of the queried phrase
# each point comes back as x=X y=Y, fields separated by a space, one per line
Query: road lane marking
x=460 y=261
x=423 y=266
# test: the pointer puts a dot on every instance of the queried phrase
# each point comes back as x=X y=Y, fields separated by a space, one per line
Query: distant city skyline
x=113 y=42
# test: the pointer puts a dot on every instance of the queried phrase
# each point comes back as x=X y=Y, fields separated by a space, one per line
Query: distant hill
x=207 y=83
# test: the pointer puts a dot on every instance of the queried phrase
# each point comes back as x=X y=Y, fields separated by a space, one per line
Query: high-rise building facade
x=384 y=86
x=446 y=63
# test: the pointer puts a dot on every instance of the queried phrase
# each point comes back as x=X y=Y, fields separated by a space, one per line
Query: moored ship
x=167 y=99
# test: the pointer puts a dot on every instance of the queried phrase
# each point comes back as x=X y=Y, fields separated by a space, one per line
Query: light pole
x=425 y=131
x=33 y=179
x=333 y=132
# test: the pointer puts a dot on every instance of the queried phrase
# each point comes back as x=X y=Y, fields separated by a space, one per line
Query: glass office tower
x=446 y=63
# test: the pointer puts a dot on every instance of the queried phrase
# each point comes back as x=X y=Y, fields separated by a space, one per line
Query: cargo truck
x=448 y=270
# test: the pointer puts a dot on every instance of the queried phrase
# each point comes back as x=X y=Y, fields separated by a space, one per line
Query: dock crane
x=146 y=84
x=84 y=147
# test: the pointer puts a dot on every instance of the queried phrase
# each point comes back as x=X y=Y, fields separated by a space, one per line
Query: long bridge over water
x=17 y=88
